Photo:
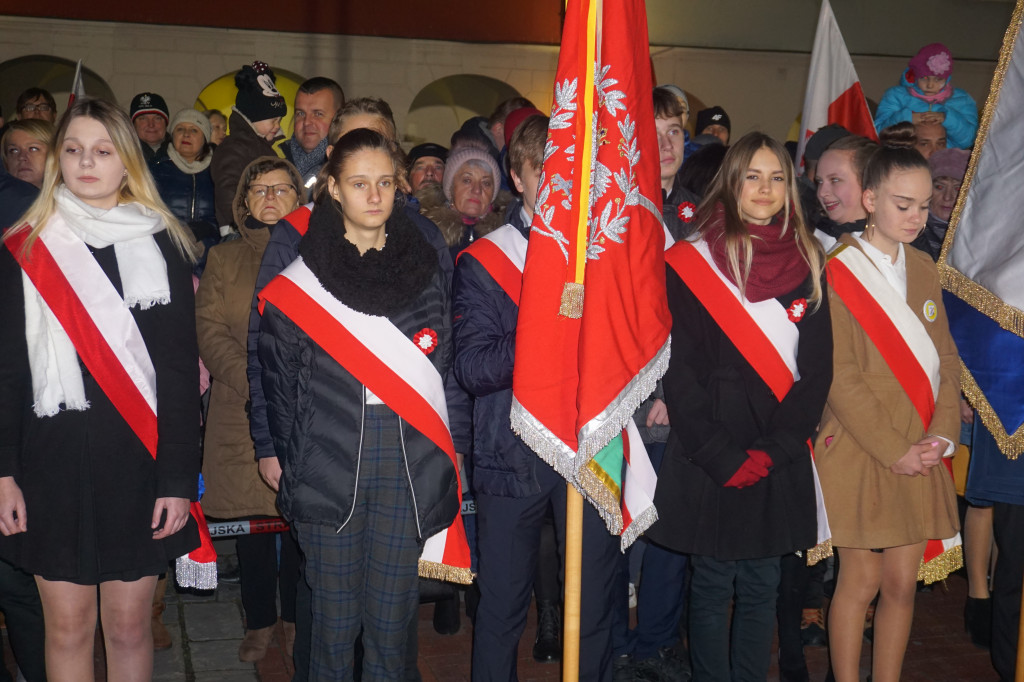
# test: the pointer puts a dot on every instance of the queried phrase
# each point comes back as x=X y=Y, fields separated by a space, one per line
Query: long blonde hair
x=726 y=189
x=137 y=187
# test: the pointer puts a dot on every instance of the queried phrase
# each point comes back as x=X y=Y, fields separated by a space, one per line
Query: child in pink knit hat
x=925 y=95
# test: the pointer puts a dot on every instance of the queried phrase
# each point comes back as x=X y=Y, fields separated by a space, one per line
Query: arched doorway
x=439 y=109
x=50 y=73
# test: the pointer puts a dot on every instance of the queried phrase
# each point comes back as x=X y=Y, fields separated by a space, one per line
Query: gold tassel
x=572 y=301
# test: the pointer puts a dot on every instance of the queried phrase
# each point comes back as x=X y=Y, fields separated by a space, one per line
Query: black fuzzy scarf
x=379 y=282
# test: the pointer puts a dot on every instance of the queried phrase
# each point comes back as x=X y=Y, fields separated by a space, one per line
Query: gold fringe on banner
x=1005 y=315
x=941 y=566
x=819 y=552
x=449 y=574
x=1009 y=444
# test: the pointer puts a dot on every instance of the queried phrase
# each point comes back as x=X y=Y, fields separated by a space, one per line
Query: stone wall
x=761 y=90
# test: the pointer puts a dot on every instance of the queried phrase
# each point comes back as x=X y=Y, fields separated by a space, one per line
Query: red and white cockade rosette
x=765 y=333
x=902 y=340
x=396 y=369
x=101 y=328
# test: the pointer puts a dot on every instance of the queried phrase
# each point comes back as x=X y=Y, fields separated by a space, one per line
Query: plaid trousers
x=364 y=578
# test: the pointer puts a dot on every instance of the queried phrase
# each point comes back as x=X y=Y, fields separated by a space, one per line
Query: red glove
x=750 y=472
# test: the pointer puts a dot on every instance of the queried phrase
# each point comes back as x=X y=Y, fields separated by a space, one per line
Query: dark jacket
x=150 y=154
x=189 y=196
x=485 y=345
x=719 y=408
x=282 y=249
x=931 y=237
x=314 y=404
x=15 y=198
x=238 y=150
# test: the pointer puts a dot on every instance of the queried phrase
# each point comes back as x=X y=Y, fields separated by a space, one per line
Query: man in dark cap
x=714 y=121
x=426 y=164
x=149 y=115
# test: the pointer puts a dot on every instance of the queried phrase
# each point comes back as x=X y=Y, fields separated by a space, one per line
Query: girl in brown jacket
x=892 y=414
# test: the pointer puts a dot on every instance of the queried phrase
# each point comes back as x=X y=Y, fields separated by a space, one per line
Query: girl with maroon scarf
x=736 y=489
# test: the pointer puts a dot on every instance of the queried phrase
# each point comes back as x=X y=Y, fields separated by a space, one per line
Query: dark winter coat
x=85 y=475
x=485 y=348
x=282 y=249
x=315 y=406
x=719 y=408
x=238 y=150
x=188 y=195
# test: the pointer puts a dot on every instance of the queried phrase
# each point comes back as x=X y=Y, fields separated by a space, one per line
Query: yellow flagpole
x=573 y=586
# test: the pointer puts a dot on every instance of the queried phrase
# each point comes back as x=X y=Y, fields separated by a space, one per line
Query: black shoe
x=229 y=574
x=446 y=616
x=622 y=668
x=472 y=601
x=548 y=647
x=978 y=621
x=665 y=666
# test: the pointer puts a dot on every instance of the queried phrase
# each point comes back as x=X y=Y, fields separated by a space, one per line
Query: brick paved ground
x=208 y=629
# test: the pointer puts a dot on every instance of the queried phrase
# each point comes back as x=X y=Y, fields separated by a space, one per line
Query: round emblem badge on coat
x=931 y=311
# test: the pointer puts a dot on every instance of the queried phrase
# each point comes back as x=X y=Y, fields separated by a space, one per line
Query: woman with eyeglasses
x=268 y=190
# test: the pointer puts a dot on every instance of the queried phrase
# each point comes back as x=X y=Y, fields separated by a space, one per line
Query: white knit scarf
x=56 y=377
x=188 y=167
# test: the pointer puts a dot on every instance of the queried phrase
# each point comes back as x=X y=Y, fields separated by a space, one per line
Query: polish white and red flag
x=77 y=86
x=833 y=94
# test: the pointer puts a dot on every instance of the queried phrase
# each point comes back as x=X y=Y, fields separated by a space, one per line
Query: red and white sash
x=761 y=331
x=299 y=218
x=396 y=370
x=903 y=341
x=896 y=330
x=106 y=338
x=502 y=253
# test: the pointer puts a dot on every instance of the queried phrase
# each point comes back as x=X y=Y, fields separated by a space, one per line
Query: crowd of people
x=329 y=337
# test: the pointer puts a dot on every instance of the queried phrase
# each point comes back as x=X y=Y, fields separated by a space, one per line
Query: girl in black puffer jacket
x=355 y=344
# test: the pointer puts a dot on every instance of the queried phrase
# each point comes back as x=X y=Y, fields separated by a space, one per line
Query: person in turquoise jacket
x=925 y=94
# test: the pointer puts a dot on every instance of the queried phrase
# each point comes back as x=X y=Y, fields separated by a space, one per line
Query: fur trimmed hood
x=434 y=206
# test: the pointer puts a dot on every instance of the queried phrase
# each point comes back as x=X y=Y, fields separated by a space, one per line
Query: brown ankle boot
x=161 y=637
x=254 y=647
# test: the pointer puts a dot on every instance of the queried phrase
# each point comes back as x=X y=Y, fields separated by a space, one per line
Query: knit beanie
x=426 y=149
x=949 y=163
x=258 y=98
x=459 y=156
x=822 y=138
x=517 y=118
x=677 y=91
x=714 y=116
x=931 y=60
x=148 y=103
x=196 y=118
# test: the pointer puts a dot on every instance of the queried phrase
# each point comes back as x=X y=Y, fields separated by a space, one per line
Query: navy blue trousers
x=508 y=541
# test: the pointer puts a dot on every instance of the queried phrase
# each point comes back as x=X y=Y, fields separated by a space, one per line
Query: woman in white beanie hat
x=183 y=176
x=469 y=203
